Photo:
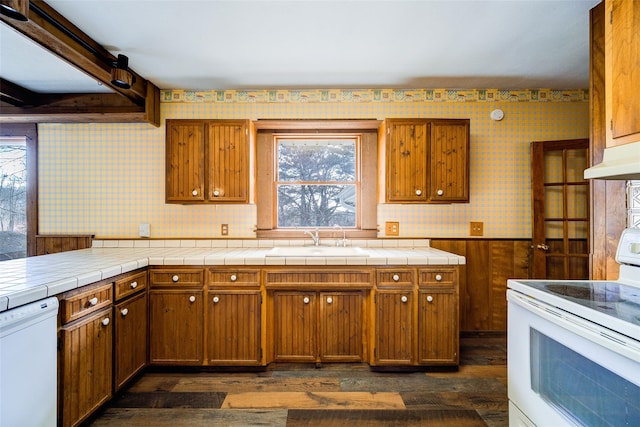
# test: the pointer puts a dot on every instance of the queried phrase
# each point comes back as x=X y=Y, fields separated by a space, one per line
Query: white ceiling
x=260 y=44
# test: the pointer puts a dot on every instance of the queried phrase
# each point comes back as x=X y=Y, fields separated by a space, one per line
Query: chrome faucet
x=315 y=236
x=344 y=236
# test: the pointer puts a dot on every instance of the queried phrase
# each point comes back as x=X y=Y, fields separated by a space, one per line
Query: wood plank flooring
x=295 y=395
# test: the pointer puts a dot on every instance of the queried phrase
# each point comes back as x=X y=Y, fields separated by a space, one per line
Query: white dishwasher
x=28 y=364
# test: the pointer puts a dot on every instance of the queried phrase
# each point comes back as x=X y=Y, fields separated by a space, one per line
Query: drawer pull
x=105 y=321
x=124 y=312
x=438 y=277
x=134 y=285
x=93 y=301
x=216 y=300
x=429 y=298
x=329 y=300
x=404 y=298
x=233 y=278
x=175 y=278
x=192 y=299
x=395 y=277
x=306 y=300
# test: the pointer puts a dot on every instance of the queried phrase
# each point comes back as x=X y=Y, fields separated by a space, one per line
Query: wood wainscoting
x=50 y=244
x=483 y=280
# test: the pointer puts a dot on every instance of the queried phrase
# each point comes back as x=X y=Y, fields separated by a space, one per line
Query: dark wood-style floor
x=329 y=395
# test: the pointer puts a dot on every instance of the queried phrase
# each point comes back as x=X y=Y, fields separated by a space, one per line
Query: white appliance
x=28 y=364
x=574 y=348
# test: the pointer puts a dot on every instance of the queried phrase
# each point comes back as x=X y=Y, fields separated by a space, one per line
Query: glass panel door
x=560 y=209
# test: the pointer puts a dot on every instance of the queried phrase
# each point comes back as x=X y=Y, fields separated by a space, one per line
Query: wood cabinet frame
x=209 y=161
x=424 y=161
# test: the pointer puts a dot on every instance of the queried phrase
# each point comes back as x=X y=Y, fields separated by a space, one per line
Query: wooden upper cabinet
x=622 y=71
x=228 y=147
x=185 y=161
x=209 y=161
x=406 y=152
x=425 y=160
x=449 y=161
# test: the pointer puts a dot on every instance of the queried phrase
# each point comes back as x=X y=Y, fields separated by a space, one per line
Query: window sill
x=324 y=234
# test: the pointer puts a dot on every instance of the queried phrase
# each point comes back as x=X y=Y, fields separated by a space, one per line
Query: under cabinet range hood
x=619 y=162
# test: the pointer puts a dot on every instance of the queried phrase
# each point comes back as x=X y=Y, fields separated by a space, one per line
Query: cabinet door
x=406 y=152
x=341 y=328
x=233 y=325
x=175 y=327
x=449 y=161
x=294 y=326
x=625 y=70
x=438 y=327
x=185 y=161
x=394 y=328
x=130 y=352
x=85 y=366
x=228 y=143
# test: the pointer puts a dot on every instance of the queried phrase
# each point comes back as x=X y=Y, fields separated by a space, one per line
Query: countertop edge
x=31 y=279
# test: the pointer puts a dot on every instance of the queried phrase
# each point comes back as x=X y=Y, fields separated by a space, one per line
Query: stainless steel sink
x=317 y=251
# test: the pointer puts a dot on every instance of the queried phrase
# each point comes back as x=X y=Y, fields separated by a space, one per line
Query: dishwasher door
x=28 y=364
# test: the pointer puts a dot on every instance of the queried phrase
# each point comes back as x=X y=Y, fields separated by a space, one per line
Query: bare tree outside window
x=13 y=200
x=317 y=182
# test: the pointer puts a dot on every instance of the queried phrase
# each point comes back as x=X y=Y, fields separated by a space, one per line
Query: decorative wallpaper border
x=372 y=96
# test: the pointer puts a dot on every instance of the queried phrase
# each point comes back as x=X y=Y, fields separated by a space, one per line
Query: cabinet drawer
x=437 y=277
x=176 y=277
x=233 y=278
x=130 y=285
x=396 y=278
x=80 y=302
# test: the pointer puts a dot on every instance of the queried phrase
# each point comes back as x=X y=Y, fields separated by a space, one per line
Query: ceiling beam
x=16 y=95
x=83 y=108
x=56 y=34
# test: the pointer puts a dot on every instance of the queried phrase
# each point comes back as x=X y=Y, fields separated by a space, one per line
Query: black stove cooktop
x=612 y=298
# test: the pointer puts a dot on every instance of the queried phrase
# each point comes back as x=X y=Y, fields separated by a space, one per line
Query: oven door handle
x=607 y=338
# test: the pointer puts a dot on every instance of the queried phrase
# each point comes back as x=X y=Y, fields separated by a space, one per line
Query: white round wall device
x=497 y=114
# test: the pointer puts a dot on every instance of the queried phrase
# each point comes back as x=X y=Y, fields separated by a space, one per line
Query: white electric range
x=574 y=347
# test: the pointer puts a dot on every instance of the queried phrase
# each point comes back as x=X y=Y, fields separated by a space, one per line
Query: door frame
x=538 y=235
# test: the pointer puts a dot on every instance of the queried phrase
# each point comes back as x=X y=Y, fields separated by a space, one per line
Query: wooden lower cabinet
x=176 y=320
x=295 y=323
x=325 y=326
x=438 y=316
x=85 y=366
x=130 y=344
x=394 y=327
x=233 y=327
x=341 y=317
x=438 y=336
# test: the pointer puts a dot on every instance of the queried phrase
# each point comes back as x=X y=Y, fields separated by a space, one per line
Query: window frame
x=356 y=137
x=30 y=131
x=266 y=198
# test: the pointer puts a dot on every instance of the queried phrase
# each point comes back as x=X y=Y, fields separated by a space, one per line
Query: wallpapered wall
x=106 y=179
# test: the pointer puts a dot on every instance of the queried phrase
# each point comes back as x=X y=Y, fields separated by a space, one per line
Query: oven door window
x=581 y=389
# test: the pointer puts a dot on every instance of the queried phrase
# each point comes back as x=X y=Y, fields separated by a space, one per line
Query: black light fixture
x=120 y=74
x=15 y=9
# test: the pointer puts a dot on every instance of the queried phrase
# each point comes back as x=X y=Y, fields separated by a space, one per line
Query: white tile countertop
x=30 y=279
